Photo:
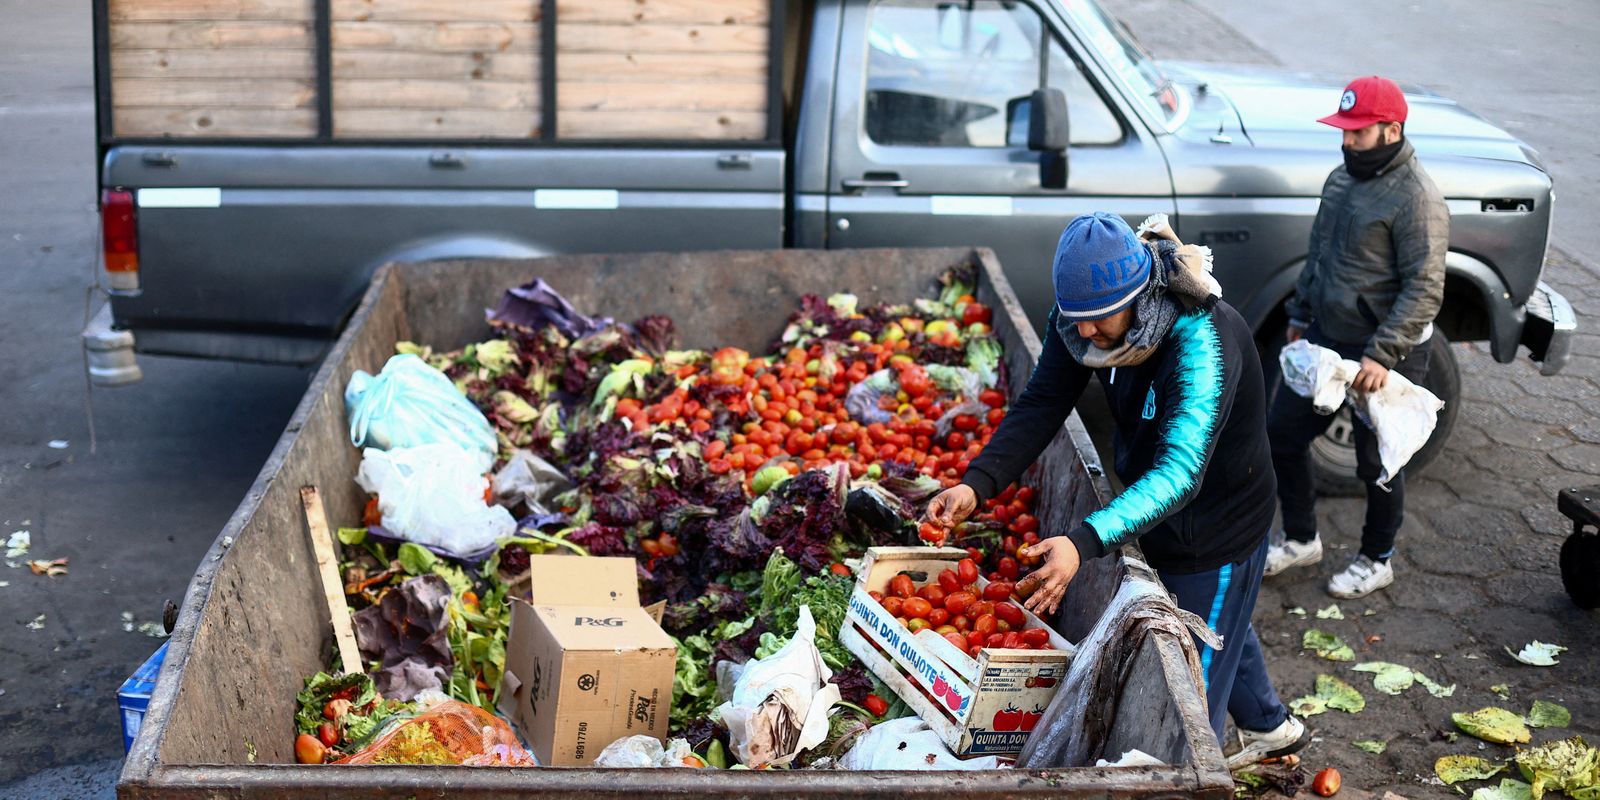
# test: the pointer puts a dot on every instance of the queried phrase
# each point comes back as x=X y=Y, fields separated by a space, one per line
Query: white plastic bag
x=531 y=481
x=1317 y=373
x=640 y=751
x=779 y=704
x=410 y=403
x=433 y=495
x=1401 y=414
x=907 y=743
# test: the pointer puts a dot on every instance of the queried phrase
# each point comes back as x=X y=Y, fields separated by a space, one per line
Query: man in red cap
x=1371 y=286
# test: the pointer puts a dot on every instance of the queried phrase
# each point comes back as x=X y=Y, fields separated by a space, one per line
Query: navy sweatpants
x=1236 y=676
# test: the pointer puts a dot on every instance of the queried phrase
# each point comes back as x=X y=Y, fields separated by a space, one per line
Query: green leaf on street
x=1493 y=724
x=1545 y=714
x=1454 y=769
x=1509 y=789
x=1327 y=645
x=1373 y=746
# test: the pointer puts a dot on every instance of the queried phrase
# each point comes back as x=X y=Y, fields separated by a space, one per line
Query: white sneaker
x=1288 y=737
x=1363 y=577
x=1283 y=553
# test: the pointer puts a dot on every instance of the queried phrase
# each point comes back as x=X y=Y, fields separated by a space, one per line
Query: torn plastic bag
x=877 y=507
x=1132 y=758
x=407 y=632
x=532 y=306
x=451 y=732
x=862 y=399
x=1401 y=414
x=1316 y=373
x=433 y=495
x=907 y=743
x=531 y=481
x=644 y=751
x=409 y=404
x=778 y=705
x=1074 y=729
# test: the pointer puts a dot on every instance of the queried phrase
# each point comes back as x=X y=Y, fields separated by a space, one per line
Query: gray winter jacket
x=1375 y=267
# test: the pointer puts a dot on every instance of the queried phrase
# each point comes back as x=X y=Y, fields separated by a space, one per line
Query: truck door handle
x=446 y=161
x=876 y=180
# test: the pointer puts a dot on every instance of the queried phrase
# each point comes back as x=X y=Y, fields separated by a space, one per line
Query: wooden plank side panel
x=213 y=63
x=212 y=122
x=689 y=125
x=236 y=93
x=475 y=65
x=436 y=10
x=229 y=34
x=574 y=37
x=196 y=10
x=662 y=67
x=402 y=93
x=661 y=96
x=698 y=12
x=421 y=123
x=438 y=37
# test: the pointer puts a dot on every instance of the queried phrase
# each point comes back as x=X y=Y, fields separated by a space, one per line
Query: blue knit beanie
x=1100 y=267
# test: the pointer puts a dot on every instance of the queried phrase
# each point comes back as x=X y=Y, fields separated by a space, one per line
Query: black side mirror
x=1047 y=134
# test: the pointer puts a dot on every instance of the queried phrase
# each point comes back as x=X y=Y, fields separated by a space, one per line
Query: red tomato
x=928 y=531
x=961 y=622
x=967 y=571
x=957 y=602
x=878 y=596
x=876 y=705
x=974 y=313
x=992 y=398
x=965 y=422
x=1012 y=640
x=975 y=639
x=975 y=554
x=995 y=417
x=839 y=569
x=938 y=617
x=1007 y=494
x=669 y=545
x=985 y=624
x=309 y=750
x=957 y=640
x=999 y=590
x=902 y=586
x=1008 y=568
x=1025 y=523
x=893 y=605
x=916 y=608
x=327 y=734
x=1326 y=783
x=1037 y=637
x=1002 y=514
x=949 y=582
x=980 y=608
x=1009 y=612
x=994 y=640
x=1025 y=496
x=955 y=441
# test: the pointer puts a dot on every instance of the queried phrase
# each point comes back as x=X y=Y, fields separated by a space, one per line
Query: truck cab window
x=941 y=74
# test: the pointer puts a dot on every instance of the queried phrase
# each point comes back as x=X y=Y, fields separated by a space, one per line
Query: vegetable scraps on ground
x=741 y=483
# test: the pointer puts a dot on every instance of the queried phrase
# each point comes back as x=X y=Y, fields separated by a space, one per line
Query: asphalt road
x=175 y=453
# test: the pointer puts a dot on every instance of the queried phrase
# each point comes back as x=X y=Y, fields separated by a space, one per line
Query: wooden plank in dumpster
x=220 y=722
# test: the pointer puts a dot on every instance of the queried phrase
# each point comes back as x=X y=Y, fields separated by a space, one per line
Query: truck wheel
x=1333 y=454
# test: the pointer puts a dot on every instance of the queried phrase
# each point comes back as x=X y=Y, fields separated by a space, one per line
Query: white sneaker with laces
x=1284 y=553
x=1288 y=737
x=1363 y=577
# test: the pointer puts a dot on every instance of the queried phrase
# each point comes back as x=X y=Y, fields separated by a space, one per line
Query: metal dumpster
x=254 y=624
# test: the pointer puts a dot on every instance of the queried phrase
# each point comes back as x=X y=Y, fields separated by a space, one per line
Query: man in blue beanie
x=1180 y=372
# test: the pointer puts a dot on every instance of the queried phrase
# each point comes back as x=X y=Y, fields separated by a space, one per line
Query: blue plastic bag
x=409 y=404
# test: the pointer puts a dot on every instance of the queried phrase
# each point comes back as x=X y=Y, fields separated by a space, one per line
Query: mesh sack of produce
x=451 y=732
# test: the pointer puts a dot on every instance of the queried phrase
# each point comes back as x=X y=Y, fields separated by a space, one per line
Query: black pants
x=1293 y=424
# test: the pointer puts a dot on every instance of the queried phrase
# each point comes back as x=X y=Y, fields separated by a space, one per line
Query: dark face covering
x=1364 y=165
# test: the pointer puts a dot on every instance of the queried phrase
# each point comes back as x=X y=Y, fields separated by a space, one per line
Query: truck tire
x=1333 y=454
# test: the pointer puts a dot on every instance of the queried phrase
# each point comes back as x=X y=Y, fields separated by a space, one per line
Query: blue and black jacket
x=1191 y=444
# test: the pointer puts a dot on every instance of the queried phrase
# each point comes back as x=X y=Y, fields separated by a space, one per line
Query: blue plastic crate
x=134 y=696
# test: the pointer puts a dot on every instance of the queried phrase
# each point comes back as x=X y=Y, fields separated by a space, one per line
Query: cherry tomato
x=967 y=570
x=957 y=602
x=1010 y=613
x=902 y=586
x=965 y=422
x=976 y=313
x=992 y=398
x=949 y=582
x=916 y=608
x=876 y=705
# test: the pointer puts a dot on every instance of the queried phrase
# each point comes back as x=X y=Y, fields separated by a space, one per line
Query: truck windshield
x=1129 y=60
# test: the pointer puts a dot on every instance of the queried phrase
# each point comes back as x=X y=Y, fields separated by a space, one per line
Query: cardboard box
x=585 y=665
x=978 y=707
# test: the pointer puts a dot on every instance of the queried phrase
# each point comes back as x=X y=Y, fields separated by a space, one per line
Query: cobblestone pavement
x=1476 y=569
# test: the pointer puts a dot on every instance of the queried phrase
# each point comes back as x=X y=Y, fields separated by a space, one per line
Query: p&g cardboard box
x=585 y=665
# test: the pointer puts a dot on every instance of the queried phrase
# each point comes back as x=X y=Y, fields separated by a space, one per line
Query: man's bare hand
x=1293 y=334
x=952 y=506
x=1045 y=586
x=1372 y=376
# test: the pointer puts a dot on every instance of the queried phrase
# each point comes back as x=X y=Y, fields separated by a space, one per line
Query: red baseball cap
x=1366 y=101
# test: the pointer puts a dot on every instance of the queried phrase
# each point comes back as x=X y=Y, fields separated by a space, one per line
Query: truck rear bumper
x=1547 y=328
x=111 y=358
